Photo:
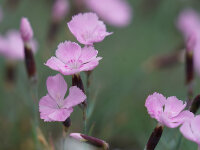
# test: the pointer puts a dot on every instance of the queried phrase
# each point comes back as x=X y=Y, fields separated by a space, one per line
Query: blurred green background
x=120 y=84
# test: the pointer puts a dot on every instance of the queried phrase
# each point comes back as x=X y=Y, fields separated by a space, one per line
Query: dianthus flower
x=87 y=28
x=167 y=111
x=71 y=58
x=53 y=106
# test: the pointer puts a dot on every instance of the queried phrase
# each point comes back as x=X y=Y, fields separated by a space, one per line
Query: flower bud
x=30 y=63
x=195 y=104
x=26 y=30
x=154 y=138
x=77 y=81
x=67 y=124
x=91 y=140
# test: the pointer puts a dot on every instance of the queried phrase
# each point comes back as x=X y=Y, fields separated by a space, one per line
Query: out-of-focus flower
x=191 y=129
x=92 y=140
x=59 y=10
x=87 y=28
x=1 y=14
x=71 y=58
x=115 y=12
x=53 y=106
x=189 y=24
x=26 y=30
x=167 y=111
x=12 y=47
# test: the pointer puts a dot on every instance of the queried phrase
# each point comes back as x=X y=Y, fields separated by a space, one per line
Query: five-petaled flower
x=71 y=58
x=167 y=111
x=87 y=28
x=53 y=106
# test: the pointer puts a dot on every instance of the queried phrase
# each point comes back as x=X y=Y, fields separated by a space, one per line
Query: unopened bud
x=154 y=138
x=26 y=30
x=189 y=67
x=30 y=63
x=91 y=140
x=77 y=81
x=67 y=124
x=195 y=104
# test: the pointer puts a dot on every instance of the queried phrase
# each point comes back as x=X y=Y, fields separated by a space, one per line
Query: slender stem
x=154 y=138
x=179 y=143
x=34 y=94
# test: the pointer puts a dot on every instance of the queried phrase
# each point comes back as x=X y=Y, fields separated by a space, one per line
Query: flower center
x=73 y=64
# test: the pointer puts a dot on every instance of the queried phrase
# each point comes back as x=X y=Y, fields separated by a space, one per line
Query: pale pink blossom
x=191 y=129
x=71 y=58
x=60 y=10
x=87 y=28
x=189 y=24
x=167 y=111
x=12 y=47
x=53 y=106
x=26 y=30
x=115 y=12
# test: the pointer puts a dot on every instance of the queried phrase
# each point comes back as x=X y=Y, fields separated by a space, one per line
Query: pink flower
x=12 y=47
x=60 y=9
x=26 y=30
x=87 y=28
x=189 y=23
x=71 y=58
x=115 y=12
x=191 y=129
x=53 y=106
x=168 y=112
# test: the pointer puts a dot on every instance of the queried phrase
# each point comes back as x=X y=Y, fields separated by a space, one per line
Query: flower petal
x=47 y=106
x=68 y=51
x=154 y=105
x=90 y=65
x=186 y=130
x=75 y=97
x=57 y=87
x=174 y=106
x=88 y=53
x=61 y=114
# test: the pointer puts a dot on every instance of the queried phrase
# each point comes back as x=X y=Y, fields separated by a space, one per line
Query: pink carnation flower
x=115 y=12
x=60 y=9
x=53 y=106
x=71 y=58
x=26 y=30
x=87 y=28
x=168 y=112
x=12 y=47
x=191 y=129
